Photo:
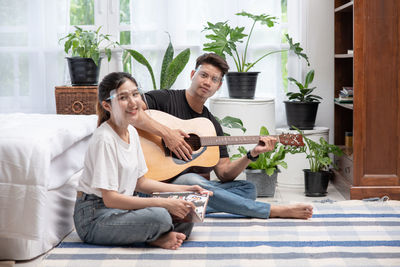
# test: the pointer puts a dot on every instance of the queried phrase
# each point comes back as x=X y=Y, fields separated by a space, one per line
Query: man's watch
x=250 y=157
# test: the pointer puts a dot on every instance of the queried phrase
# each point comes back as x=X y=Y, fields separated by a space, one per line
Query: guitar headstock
x=291 y=139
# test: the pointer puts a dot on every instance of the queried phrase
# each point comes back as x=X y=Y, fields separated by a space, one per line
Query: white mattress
x=39 y=153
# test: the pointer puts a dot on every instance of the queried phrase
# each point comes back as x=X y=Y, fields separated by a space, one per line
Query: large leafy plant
x=170 y=69
x=270 y=160
x=304 y=94
x=232 y=123
x=318 y=153
x=86 y=43
x=224 y=40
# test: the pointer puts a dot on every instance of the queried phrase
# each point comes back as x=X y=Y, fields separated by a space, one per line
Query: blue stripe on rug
x=336 y=215
x=303 y=223
x=364 y=243
x=356 y=215
x=224 y=256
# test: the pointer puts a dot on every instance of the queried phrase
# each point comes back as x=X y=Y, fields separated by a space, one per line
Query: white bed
x=41 y=156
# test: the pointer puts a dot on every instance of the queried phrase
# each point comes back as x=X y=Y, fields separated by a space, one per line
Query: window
x=115 y=19
x=32 y=60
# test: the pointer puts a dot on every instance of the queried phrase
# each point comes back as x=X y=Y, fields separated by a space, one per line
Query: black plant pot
x=301 y=114
x=83 y=71
x=242 y=84
x=316 y=183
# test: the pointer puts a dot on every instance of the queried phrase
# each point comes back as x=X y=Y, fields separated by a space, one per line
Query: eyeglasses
x=205 y=75
x=124 y=95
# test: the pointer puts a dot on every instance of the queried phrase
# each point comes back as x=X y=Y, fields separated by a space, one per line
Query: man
x=237 y=197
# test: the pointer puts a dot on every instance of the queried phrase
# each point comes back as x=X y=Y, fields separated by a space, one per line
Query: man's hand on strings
x=176 y=143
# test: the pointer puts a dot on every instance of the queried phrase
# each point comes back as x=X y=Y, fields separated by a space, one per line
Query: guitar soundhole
x=194 y=142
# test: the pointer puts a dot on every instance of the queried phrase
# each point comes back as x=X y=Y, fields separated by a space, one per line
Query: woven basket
x=80 y=100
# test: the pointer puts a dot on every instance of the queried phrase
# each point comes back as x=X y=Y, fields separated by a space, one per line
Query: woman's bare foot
x=297 y=211
x=171 y=240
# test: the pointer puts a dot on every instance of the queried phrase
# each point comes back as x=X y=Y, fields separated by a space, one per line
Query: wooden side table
x=80 y=100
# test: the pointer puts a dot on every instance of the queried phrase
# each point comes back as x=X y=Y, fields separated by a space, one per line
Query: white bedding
x=38 y=153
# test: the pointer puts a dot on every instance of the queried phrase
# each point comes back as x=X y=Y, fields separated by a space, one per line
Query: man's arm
x=173 y=138
x=227 y=170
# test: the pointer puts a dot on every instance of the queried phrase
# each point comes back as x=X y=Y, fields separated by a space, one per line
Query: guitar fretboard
x=228 y=140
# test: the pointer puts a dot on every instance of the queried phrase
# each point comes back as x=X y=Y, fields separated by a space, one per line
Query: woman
x=106 y=212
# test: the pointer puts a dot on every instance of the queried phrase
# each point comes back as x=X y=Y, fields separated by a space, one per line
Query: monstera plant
x=224 y=41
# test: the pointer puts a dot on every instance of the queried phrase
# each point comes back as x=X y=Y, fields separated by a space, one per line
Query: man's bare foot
x=171 y=240
x=297 y=211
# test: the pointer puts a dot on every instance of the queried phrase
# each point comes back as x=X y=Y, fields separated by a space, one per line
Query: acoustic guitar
x=163 y=164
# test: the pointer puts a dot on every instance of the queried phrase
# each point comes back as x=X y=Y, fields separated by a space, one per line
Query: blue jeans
x=97 y=224
x=236 y=197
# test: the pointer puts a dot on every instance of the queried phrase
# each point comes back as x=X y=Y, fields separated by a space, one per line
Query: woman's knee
x=158 y=215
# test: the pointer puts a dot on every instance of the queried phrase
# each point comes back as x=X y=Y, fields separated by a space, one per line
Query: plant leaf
x=142 y=60
x=264 y=131
x=223 y=38
x=301 y=86
x=108 y=53
x=175 y=68
x=168 y=56
x=296 y=48
x=233 y=123
x=262 y=18
x=309 y=78
x=270 y=171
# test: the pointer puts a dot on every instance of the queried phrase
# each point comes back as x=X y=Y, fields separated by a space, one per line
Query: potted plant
x=317 y=177
x=302 y=106
x=170 y=69
x=264 y=171
x=224 y=40
x=84 y=48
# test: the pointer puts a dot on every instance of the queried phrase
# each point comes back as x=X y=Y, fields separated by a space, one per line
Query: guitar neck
x=229 y=140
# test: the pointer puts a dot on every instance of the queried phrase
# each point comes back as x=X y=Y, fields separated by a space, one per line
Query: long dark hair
x=110 y=82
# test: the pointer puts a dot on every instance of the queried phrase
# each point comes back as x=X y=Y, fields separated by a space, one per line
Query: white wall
x=318 y=40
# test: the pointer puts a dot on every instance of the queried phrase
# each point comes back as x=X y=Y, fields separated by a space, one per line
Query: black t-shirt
x=174 y=102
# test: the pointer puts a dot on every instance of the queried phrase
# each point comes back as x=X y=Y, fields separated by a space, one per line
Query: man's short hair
x=215 y=60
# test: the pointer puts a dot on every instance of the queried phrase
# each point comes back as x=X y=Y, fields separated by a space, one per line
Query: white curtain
x=151 y=19
x=31 y=60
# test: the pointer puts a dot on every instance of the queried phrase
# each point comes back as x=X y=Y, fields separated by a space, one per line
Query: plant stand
x=264 y=183
x=254 y=113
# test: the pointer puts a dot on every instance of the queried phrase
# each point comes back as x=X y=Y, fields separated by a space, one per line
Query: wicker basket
x=80 y=100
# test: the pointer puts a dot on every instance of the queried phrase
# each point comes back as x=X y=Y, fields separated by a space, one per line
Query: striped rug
x=346 y=233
